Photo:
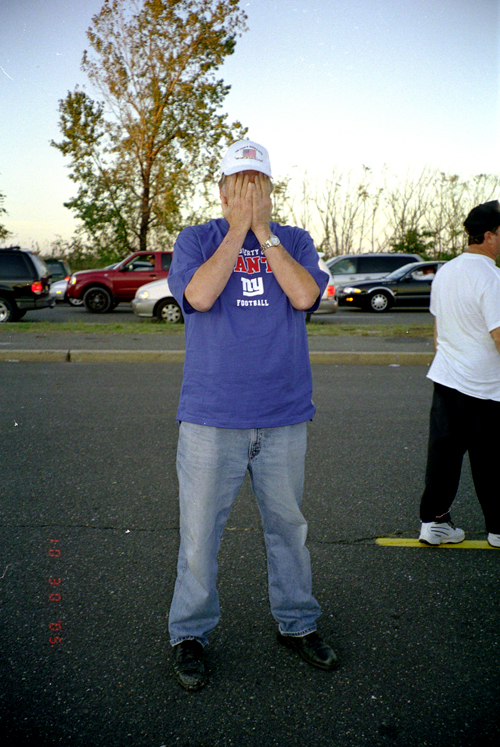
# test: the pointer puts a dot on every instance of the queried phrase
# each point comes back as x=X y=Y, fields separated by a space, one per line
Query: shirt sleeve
x=301 y=246
x=187 y=258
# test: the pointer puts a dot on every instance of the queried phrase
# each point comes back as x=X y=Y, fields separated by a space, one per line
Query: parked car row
x=102 y=290
x=362 y=281
x=348 y=268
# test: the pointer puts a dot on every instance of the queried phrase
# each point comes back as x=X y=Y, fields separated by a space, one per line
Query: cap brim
x=250 y=165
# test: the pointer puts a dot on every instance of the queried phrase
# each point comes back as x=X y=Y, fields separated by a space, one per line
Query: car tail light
x=330 y=291
x=37 y=287
x=67 y=278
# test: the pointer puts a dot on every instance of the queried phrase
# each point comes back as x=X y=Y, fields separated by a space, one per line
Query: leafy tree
x=145 y=155
x=3 y=231
x=415 y=242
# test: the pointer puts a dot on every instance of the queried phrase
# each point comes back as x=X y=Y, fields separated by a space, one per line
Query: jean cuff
x=300 y=633
x=176 y=641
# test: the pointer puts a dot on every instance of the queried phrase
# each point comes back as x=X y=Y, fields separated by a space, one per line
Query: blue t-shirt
x=247 y=359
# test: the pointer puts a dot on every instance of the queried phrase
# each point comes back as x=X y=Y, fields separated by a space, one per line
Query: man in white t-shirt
x=465 y=302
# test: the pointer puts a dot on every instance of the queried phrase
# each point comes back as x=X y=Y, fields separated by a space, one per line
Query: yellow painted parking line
x=465 y=545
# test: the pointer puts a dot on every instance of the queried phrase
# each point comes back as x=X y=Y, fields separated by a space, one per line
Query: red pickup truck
x=102 y=290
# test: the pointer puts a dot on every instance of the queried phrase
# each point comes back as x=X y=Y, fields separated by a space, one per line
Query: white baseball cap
x=245 y=155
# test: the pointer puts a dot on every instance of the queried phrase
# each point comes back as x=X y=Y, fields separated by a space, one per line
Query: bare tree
x=427 y=212
x=343 y=215
x=3 y=231
x=407 y=205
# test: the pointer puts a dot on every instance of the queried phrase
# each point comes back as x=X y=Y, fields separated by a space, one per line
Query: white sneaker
x=493 y=539
x=434 y=533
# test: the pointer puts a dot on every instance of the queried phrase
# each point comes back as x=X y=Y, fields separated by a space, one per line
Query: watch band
x=272 y=241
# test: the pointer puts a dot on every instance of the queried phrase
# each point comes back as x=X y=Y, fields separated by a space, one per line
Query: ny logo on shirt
x=252 y=286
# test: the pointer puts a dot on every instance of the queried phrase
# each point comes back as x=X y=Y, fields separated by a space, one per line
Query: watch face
x=272 y=241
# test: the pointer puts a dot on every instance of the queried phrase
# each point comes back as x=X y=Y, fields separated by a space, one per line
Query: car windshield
x=398 y=274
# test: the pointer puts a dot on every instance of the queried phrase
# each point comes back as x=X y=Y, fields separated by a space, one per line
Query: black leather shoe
x=312 y=649
x=189 y=665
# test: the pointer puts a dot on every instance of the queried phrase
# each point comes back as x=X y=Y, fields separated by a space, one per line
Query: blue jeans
x=211 y=466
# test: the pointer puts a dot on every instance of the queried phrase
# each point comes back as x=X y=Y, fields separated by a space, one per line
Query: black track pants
x=459 y=423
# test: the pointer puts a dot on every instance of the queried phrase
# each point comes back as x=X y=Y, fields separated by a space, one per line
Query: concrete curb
x=371 y=358
x=36 y=356
x=177 y=356
x=126 y=356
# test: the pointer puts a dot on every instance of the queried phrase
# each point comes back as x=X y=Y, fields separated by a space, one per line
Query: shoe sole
x=444 y=542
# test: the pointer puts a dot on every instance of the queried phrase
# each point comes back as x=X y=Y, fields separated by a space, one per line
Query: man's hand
x=246 y=203
x=211 y=277
x=261 y=206
x=237 y=202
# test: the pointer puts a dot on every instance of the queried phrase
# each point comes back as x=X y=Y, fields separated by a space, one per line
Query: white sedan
x=58 y=293
x=155 y=300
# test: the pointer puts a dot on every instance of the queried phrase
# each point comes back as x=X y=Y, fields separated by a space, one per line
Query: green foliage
x=145 y=156
x=415 y=243
x=84 y=256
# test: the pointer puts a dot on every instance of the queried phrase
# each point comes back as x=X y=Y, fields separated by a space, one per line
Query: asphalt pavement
x=89 y=529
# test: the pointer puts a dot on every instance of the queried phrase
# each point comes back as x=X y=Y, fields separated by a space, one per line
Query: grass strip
x=150 y=327
x=370 y=330
x=140 y=327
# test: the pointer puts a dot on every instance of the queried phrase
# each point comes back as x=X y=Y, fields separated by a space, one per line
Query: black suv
x=24 y=283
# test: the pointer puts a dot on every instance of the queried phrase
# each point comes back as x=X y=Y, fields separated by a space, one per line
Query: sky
x=323 y=84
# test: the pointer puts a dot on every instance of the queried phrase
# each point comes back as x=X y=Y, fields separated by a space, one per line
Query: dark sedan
x=409 y=285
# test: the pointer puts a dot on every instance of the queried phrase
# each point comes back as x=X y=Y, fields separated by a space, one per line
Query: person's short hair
x=480 y=239
x=483 y=218
x=476 y=239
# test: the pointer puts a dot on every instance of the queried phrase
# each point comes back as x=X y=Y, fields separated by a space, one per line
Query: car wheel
x=98 y=300
x=379 y=301
x=169 y=311
x=75 y=301
x=7 y=311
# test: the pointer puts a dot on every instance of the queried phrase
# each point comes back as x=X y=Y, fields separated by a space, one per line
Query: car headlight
x=350 y=291
x=142 y=295
x=72 y=281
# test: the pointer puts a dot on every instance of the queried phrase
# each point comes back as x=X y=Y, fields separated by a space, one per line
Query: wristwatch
x=272 y=241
